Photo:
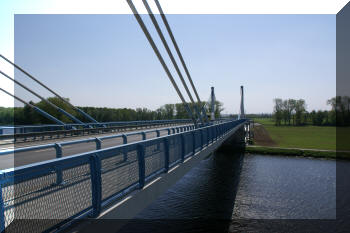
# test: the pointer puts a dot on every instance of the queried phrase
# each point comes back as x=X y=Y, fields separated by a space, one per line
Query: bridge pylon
x=242 y=113
x=212 y=104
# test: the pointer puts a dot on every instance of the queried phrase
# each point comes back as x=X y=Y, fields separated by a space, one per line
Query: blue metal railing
x=98 y=140
x=54 y=127
x=62 y=190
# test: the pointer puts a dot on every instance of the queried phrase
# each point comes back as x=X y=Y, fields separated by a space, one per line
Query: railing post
x=125 y=141
x=158 y=133
x=177 y=130
x=59 y=177
x=143 y=135
x=141 y=160
x=182 y=136
x=213 y=133
x=173 y=130
x=98 y=143
x=2 y=206
x=194 y=142
x=208 y=136
x=202 y=140
x=95 y=168
x=168 y=131
x=166 y=152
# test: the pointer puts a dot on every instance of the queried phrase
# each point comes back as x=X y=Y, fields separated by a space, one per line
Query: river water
x=230 y=192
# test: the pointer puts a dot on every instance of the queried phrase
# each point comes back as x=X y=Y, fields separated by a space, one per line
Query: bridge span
x=115 y=182
x=50 y=190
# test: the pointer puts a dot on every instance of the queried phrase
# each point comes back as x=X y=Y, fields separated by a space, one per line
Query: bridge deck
x=64 y=189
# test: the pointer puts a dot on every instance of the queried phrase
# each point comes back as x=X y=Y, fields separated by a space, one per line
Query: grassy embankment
x=311 y=141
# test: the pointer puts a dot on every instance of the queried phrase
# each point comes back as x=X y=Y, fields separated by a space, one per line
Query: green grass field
x=308 y=137
x=343 y=138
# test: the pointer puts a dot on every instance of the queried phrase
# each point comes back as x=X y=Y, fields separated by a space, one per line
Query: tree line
x=28 y=116
x=293 y=112
x=258 y=115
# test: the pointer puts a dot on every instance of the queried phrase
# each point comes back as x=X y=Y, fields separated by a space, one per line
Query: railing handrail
x=64 y=143
x=92 y=124
x=81 y=130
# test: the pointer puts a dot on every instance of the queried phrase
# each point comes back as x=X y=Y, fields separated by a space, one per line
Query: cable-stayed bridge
x=64 y=172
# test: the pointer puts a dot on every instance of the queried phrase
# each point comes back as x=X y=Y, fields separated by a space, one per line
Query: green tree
x=300 y=109
x=277 y=111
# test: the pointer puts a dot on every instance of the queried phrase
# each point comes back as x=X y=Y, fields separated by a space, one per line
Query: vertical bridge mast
x=212 y=104
x=242 y=114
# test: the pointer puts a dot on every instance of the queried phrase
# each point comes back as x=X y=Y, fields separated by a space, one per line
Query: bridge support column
x=250 y=134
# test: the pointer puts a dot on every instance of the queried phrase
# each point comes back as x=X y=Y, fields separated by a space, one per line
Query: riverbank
x=306 y=137
x=331 y=154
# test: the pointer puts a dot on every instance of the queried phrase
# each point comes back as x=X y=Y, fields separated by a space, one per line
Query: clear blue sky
x=105 y=60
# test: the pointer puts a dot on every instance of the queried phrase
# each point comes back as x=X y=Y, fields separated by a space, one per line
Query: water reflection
x=275 y=187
